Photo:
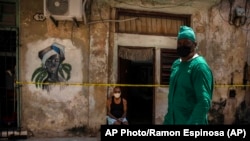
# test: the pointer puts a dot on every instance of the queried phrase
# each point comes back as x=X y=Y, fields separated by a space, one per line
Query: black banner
x=163 y=132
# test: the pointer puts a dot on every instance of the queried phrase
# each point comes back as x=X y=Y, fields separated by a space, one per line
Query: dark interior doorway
x=8 y=99
x=139 y=95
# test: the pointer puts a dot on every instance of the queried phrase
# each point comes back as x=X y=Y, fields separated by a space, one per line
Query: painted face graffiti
x=53 y=69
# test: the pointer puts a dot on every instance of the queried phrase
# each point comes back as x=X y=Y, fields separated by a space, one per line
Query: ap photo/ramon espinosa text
x=195 y=132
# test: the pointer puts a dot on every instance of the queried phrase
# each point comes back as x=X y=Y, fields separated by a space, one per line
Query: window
x=149 y=23
x=168 y=56
x=7 y=14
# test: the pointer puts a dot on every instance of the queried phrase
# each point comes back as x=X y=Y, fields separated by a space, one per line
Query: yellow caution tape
x=124 y=85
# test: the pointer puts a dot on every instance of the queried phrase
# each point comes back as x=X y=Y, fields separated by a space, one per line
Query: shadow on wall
x=243 y=114
x=215 y=115
x=240 y=114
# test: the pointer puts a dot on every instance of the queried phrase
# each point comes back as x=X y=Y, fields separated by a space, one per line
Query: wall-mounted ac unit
x=64 y=9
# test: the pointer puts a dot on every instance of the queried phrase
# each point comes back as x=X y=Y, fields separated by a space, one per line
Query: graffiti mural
x=52 y=70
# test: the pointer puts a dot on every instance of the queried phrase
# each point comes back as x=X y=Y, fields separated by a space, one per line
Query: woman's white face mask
x=117 y=95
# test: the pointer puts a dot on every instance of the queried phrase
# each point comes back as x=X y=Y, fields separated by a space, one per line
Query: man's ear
x=195 y=44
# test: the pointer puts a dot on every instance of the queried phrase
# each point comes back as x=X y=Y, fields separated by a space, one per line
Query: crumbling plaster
x=66 y=105
x=223 y=45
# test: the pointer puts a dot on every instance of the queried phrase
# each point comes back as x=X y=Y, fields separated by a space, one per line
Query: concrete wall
x=91 y=51
x=66 y=105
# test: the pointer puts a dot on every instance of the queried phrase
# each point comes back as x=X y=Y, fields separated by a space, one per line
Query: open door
x=140 y=97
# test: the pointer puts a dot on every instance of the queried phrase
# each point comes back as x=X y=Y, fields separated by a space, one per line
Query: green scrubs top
x=190 y=92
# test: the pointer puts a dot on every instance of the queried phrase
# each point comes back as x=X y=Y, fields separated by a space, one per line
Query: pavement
x=26 y=136
x=56 y=139
x=63 y=139
x=38 y=138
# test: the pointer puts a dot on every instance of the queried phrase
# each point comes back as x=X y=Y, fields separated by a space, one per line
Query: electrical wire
x=183 y=3
x=99 y=21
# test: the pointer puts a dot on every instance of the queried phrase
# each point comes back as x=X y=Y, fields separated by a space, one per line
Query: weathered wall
x=66 y=105
x=224 y=45
x=226 y=49
x=91 y=50
x=98 y=66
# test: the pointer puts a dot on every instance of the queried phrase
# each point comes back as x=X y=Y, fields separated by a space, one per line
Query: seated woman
x=117 y=108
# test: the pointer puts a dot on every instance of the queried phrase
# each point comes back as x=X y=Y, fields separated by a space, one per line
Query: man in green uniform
x=191 y=84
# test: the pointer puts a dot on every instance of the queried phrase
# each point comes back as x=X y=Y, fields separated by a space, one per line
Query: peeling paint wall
x=227 y=52
x=224 y=45
x=91 y=50
x=66 y=105
x=98 y=64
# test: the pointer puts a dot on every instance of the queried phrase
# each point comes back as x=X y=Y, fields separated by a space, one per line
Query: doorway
x=8 y=97
x=140 y=96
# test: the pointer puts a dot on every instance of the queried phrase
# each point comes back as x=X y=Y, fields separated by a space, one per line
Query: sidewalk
x=24 y=136
x=63 y=139
x=56 y=139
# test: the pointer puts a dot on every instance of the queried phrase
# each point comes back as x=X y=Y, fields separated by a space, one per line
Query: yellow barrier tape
x=90 y=84
x=128 y=85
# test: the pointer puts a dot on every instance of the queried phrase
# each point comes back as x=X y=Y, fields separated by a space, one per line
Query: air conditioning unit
x=64 y=9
